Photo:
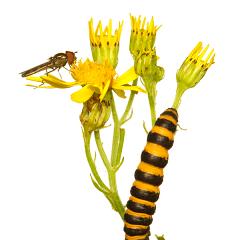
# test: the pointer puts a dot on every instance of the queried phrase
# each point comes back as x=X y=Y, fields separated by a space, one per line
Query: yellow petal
x=38 y=86
x=52 y=80
x=132 y=88
x=56 y=82
x=105 y=89
x=35 y=79
x=197 y=49
x=82 y=95
x=125 y=78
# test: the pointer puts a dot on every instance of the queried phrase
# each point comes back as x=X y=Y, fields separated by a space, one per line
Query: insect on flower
x=93 y=77
x=58 y=61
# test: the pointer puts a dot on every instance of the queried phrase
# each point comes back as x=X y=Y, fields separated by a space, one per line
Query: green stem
x=129 y=104
x=116 y=133
x=114 y=159
x=101 y=150
x=91 y=163
x=118 y=137
x=151 y=100
x=115 y=196
x=117 y=145
x=150 y=86
x=120 y=146
x=179 y=92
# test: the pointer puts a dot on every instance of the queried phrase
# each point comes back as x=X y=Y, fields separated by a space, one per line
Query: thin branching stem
x=129 y=104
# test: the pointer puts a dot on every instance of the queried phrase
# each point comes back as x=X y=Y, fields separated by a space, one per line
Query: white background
x=45 y=189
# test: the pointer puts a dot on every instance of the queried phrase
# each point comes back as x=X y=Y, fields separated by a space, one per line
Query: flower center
x=93 y=73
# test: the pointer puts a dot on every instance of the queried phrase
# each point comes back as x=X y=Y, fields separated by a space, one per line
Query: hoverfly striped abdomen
x=149 y=176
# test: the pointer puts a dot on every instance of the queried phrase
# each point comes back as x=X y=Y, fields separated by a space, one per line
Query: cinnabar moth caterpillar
x=149 y=176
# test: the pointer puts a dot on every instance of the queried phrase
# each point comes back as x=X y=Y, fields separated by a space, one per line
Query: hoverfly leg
x=41 y=84
x=47 y=72
x=66 y=69
x=59 y=73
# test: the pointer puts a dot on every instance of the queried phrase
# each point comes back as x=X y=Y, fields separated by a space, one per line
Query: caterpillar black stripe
x=149 y=176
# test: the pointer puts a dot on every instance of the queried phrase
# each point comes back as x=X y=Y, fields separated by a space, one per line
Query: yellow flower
x=104 y=42
x=94 y=78
x=143 y=35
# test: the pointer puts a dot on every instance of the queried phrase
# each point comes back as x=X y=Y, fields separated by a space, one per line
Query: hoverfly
x=58 y=61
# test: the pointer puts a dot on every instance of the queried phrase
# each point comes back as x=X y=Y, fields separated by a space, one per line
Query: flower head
x=146 y=66
x=142 y=48
x=143 y=35
x=193 y=70
x=195 y=66
x=94 y=78
x=104 y=42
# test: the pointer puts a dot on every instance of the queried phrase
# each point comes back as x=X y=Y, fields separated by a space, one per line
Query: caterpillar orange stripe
x=149 y=176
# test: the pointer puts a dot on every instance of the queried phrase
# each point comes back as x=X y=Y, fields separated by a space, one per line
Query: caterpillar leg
x=149 y=176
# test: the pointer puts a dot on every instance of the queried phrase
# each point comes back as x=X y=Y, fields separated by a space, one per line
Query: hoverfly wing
x=36 y=69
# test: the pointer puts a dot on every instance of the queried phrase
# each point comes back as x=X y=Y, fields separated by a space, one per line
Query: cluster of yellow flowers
x=98 y=77
x=98 y=80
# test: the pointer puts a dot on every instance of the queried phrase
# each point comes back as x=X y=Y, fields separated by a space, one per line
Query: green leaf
x=160 y=237
x=97 y=186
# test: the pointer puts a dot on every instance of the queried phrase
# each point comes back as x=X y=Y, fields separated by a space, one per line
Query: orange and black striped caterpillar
x=149 y=176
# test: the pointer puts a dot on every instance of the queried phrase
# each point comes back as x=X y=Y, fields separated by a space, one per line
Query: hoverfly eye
x=70 y=57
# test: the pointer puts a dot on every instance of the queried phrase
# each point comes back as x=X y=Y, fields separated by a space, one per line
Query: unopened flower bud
x=195 y=66
x=193 y=70
x=105 y=43
x=146 y=66
x=143 y=35
x=95 y=114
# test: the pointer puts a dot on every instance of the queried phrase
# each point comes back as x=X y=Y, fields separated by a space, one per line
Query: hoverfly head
x=71 y=57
